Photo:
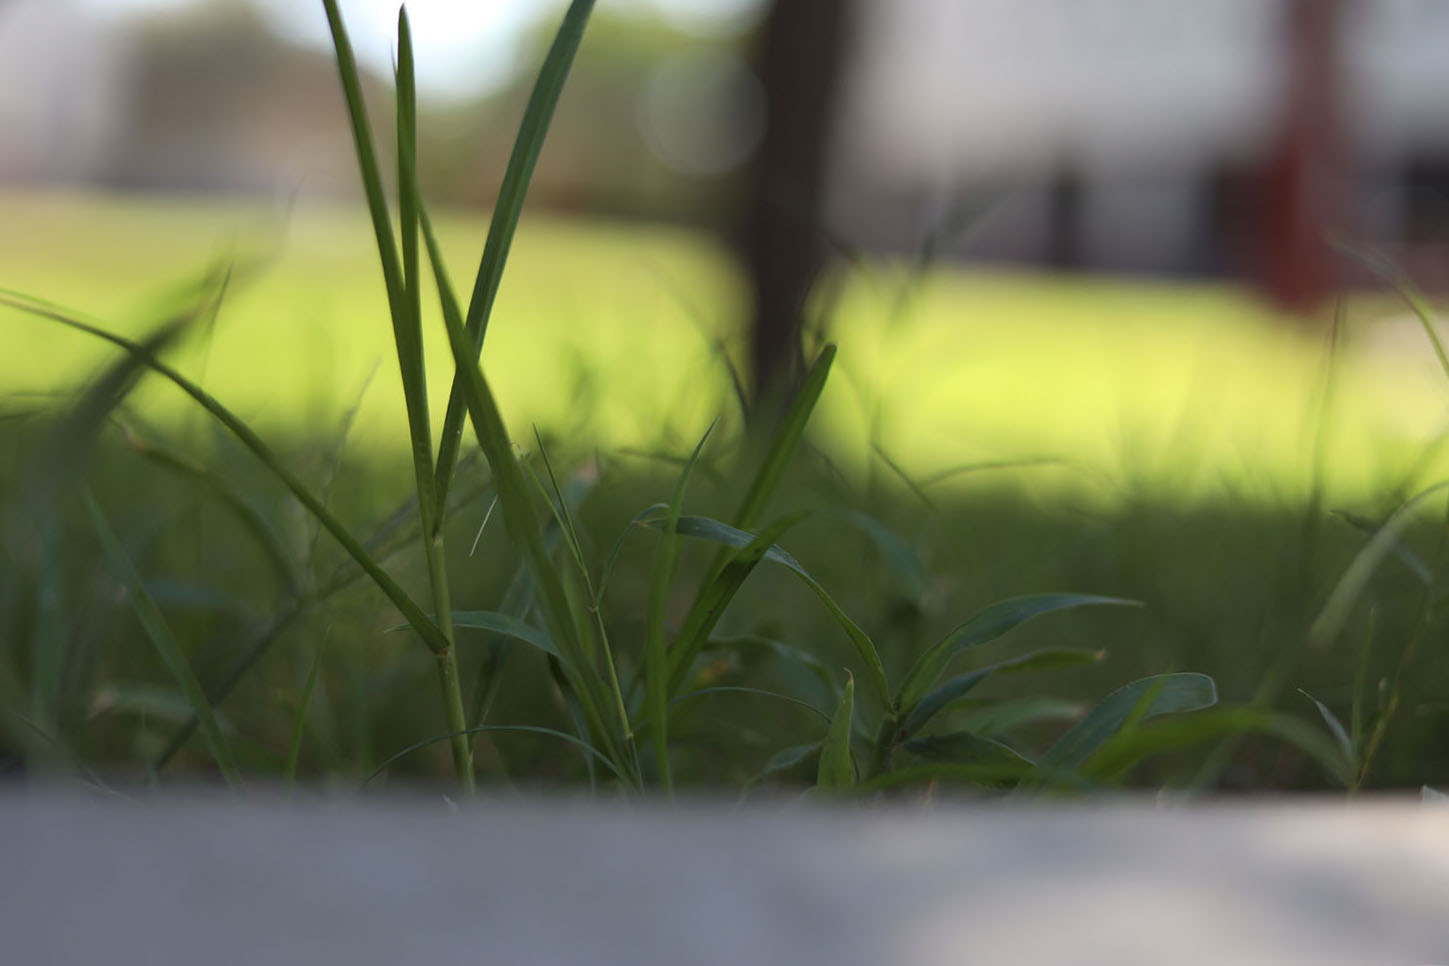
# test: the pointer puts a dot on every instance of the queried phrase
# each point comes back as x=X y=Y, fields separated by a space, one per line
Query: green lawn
x=600 y=331
x=1163 y=442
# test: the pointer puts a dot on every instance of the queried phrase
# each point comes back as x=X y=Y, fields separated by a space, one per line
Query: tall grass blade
x=506 y=211
x=154 y=623
x=518 y=515
x=656 y=658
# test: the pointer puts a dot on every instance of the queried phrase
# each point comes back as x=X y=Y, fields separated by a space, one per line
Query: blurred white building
x=1136 y=116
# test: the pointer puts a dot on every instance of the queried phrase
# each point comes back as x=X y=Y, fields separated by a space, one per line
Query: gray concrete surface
x=220 y=882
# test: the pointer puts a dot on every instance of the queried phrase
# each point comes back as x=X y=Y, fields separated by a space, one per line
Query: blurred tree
x=800 y=57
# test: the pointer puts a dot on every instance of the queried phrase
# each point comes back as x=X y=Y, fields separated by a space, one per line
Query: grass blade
x=1335 y=727
x=1125 y=750
x=714 y=598
x=227 y=495
x=787 y=438
x=154 y=623
x=986 y=626
x=506 y=211
x=837 y=770
x=505 y=625
x=941 y=697
x=1140 y=700
x=704 y=528
x=656 y=658
x=518 y=515
x=1351 y=585
x=299 y=723
x=248 y=438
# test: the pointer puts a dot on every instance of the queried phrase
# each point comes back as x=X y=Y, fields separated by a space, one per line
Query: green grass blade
x=618 y=548
x=506 y=211
x=1146 y=698
x=956 y=688
x=299 y=723
x=222 y=490
x=656 y=657
x=1335 y=727
x=154 y=623
x=704 y=528
x=367 y=160
x=518 y=515
x=967 y=748
x=248 y=438
x=1127 y=749
x=986 y=626
x=786 y=440
x=1351 y=585
x=758 y=692
x=407 y=314
x=837 y=770
x=505 y=625
x=711 y=603
x=1003 y=717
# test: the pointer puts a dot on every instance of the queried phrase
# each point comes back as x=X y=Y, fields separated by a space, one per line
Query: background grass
x=1180 y=422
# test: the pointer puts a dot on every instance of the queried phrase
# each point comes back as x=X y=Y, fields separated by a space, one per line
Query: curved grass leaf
x=837 y=770
x=1350 y=586
x=1335 y=727
x=957 y=687
x=1125 y=750
x=1006 y=716
x=537 y=116
x=248 y=438
x=703 y=528
x=1146 y=698
x=715 y=597
x=965 y=748
x=811 y=668
x=757 y=692
x=785 y=759
x=986 y=626
x=221 y=489
x=506 y=625
x=154 y=623
x=900 y=557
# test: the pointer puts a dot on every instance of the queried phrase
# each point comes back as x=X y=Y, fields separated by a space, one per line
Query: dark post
x=800 y=59
x=1302 y=186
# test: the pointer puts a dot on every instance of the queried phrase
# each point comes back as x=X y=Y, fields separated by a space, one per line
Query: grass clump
x=607 y=658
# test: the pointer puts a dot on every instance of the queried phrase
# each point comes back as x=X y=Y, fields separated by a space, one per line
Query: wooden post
x=1302 y=183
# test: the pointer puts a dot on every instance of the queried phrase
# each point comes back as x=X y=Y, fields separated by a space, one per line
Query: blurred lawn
x=602 y=332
